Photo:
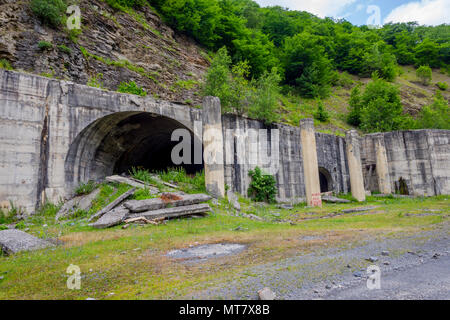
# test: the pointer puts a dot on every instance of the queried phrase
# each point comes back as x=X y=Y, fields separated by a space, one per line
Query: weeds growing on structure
x=85 y=188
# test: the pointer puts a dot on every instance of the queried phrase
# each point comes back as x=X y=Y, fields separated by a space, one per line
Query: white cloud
x=321 y=8
x=428 y=12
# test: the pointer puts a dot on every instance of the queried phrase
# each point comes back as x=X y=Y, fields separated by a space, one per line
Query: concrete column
x=354 y=165
x=384 y=182
x=310 y=166
x=213 y=147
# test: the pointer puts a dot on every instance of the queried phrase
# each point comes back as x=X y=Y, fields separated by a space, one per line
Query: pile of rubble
x=151 y=211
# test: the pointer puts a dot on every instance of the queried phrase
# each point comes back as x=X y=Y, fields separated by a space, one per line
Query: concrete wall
x=420 y=158
x=286 y=159
x=55 y=134
x=41 y=118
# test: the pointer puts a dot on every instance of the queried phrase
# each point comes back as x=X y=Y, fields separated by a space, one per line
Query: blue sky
x=427 y=12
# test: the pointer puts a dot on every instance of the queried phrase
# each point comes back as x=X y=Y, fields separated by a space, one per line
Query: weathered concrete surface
x=310 y=166
x=213 y=154
x=56 y=134
x=158 y=203
x=173 y=212
x=13 y=241
x=382 y=166
x=418 y=161
x=354 y=165
x=83 y=202
x=112 y=218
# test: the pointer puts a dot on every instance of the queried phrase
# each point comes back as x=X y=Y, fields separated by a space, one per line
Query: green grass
x=5 y=64
x=131 y=262
x=85 y=188
x=187 y=183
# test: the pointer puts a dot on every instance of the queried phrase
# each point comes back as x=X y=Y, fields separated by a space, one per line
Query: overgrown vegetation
x=85 y=188
x=424 y=73
x=50 y=12
x=189 y=183
x=4 y=64
x=262 y=188
x=132 y=88
x=45 y=45
x=436 y=115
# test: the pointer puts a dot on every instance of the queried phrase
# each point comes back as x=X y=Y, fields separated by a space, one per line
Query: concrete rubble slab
x=13 y=241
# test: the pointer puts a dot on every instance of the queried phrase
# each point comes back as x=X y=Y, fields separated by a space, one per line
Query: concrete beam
x=310 y=165
x=213 y=147
x=382 y=167
x=354 y=165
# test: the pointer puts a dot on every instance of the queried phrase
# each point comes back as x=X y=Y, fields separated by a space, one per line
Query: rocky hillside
x=113 y=47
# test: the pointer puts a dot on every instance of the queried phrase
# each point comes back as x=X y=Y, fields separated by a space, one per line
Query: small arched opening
x=118 y=142
x=325 y=179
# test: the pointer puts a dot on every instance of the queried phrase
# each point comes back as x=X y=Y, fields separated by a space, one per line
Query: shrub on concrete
x=131 y=87
x=262 y=187
x=85 y=188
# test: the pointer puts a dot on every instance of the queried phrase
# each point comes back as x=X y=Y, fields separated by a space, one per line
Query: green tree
x=436 y=115
x=378 y=108
x=427 y=53
x=321 y=114
x=266 y=97
x=306 y=66
x=425 y=74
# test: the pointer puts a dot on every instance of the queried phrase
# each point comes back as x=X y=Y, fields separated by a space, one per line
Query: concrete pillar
x=354 y=165
x=384 y=182
x=310 y=166
x=213 y=147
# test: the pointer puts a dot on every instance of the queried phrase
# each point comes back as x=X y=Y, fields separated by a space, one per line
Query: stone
x=328 y=287
x=112 y=218
x=233 y=200
x=172 y=212
x=113 y=204
x=372 y=259
x=436 y=255
x=359 y=209
x=358 y=274
x=13 y=241
x=384 y=253
x=386 y=263
x=332 y=199
x=166 y=200
x=83 y=202
x=285 y=206
x=266 y=294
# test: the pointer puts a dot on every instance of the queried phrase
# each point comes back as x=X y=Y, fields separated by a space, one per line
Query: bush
x=377 y=109
x=442 y=85
x=321 y=114
x=85 y=188
x=131 y=87
x=117 y=4
x=4 y=64
x=45 y=45
x=436 y=115
x=64 y=49
x=50 y=12
x=262 y=187
x=424 y=73
x=95 y=81
x=265 y=99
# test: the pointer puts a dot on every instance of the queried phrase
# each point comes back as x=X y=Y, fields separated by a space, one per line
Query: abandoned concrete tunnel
x=325 y=180
x=116 y=143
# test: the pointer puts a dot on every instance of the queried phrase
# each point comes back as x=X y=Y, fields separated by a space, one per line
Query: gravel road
x=413 y=266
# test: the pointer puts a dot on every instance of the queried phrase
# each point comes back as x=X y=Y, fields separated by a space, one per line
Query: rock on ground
x=81 y=202
x=112 y=218
x=13 y=241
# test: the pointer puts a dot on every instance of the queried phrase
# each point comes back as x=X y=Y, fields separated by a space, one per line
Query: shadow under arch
x=325 y=179
x=117 y=142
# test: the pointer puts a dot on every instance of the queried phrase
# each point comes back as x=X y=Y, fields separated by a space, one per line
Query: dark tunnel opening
x=118 y=142
x=149 y=145
x=325 y=180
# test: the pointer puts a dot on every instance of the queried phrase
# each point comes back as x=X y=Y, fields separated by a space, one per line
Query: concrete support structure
x=354 y=165
x=213 y=147
x=382 y=167
x=310 y=166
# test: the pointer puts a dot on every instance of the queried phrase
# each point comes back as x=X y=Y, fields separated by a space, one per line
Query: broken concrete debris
x=83 y=202
x=155 y=211
x=13 y=241
x=163 y=202
x=113 y=204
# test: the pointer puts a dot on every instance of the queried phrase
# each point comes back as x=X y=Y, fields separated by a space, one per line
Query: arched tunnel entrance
x=117 y=142
x=325 y=179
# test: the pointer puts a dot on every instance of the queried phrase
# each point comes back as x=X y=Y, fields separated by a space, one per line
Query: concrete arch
x=117 y=142
x=326 y=180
